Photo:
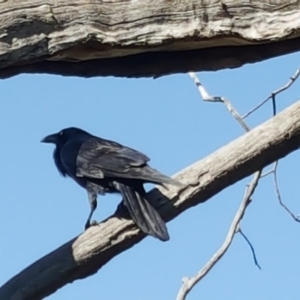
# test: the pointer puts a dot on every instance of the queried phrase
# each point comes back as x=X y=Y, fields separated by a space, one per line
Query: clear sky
x=166 y=119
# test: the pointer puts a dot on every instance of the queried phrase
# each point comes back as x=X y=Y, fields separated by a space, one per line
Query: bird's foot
x=94 y=223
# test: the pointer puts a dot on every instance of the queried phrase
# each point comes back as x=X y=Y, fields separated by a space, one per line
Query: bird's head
x=63 y=136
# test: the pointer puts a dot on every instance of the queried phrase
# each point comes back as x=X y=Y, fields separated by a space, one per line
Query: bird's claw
x=89 y=224
x=93 y=223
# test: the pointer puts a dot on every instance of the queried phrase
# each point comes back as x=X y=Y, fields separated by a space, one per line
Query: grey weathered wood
x=87 y=253
x=142 y=38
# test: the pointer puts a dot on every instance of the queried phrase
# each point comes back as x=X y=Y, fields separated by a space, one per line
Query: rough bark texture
x=87 y=253
x=142 y=38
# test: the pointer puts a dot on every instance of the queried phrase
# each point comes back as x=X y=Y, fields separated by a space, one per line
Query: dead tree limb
x=189 y=283
x=87 y=253
x=142 y=38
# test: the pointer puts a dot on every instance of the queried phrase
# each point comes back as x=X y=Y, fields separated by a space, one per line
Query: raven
x=103 y=166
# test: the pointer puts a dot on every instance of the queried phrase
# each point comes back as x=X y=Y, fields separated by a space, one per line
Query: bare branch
x=273 y=94
x=87 y=253
x=279 y=195
x=235 y=114
x=201 y=89
x=267 y=173
x=251 y=247
x=274 y=105
x=189 y=283
x=274 y=169
x=207 y=97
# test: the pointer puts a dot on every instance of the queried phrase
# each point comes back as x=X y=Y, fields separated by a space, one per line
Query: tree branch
x=87 y=253
x=142 y=38
x=189 y=283
x=274 y=171
x=274 y=94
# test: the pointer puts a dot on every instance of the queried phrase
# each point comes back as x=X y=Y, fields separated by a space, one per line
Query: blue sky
x=166 y=119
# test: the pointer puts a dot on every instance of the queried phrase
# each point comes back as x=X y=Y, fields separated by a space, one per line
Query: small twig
x=189 y=283
x=266 y=173
x=207 y=97
x=235 y=114
x=239 y=230
x=251 y=247
x=274 y=104
x=274 y=168
x=273 y=94
x=279 y=196
x=203 y=93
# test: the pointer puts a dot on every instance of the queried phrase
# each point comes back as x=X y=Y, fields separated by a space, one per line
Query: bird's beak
x=52 y=138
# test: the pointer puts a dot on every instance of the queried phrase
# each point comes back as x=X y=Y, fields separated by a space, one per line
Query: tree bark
x=142 y=38
x=87 y=253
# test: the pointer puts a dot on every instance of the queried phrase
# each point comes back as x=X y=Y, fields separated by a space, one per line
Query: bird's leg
x=93 y=204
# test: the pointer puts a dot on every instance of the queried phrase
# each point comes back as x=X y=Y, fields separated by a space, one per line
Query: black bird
x=102 y=166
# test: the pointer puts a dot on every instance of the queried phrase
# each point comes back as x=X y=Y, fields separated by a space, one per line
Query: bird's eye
x=61 y=133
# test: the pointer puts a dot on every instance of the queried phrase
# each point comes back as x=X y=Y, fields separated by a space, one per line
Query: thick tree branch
x=87 y=253
x=142 y=38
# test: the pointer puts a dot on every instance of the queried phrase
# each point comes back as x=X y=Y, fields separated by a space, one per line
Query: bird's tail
x=143 y=213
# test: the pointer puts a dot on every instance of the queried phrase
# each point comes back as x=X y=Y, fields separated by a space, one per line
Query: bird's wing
x=99 y=158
